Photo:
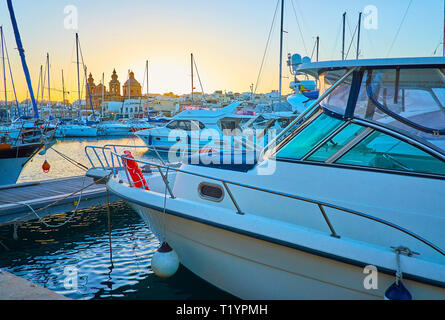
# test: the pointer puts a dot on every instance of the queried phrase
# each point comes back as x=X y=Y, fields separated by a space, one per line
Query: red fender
x=46 y=167
x=138 y=180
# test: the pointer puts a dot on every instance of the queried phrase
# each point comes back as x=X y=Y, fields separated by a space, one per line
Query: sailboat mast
x=281 y=48
x=358 y=35
x=344 y=37
x=318 y=48
x=146 y=70
x=49 y=86
x=22 y=56
x=42 y=83
x=78 y=76
x=4 y=66
x=89 y=92
x=193 y=86
x=63 y=93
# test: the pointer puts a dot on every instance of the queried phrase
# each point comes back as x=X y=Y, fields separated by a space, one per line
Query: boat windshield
x=409 y=100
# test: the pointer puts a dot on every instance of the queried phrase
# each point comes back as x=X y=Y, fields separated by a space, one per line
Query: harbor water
x=76 y=260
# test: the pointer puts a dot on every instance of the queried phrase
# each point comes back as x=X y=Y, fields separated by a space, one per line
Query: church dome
x=132 y=82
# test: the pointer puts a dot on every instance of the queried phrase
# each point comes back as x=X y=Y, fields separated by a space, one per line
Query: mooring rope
x=70 y=160
x=41 y=220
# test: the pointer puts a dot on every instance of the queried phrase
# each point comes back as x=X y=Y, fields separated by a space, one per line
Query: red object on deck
x=207 y=150
x=46 y=167
x=134 y=172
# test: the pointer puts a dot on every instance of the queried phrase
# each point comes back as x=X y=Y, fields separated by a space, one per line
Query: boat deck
x=63 y=193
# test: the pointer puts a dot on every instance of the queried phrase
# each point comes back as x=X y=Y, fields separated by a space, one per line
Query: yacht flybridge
x=358 y=185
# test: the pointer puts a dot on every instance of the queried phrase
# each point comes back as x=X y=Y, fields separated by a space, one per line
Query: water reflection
x=74 y=260
x=49 y=256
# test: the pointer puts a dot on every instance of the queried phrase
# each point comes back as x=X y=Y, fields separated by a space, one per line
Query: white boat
x=177 y=134
x=114 y=129
x=76 y=130
x=356 y=191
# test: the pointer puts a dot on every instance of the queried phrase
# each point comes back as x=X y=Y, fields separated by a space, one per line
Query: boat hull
x=13 y=160
x=251 y=268
x=76 y=132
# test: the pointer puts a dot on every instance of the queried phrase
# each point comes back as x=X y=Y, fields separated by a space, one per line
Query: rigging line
x=12 y=78
x=199 y=78
x=438 y=45
x=44 y=80
x=336 y=40
x=299 y=27
x=400 y=27
x=352 y=36
x=70 y=160
x=352 y=41
x=38 y=87
x=313 y=50
x=267 y=46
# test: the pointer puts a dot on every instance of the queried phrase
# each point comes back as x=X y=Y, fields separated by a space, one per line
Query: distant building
x=99 y=93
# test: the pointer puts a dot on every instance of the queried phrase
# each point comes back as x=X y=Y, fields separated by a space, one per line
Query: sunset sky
x=227 y=37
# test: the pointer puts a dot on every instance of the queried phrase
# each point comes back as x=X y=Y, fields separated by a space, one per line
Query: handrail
x=111 y=147
x=320 y=204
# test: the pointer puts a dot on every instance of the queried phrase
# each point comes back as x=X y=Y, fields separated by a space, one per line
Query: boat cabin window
x=382 y=151
x=410 y=100
x=185 y=125
x=337 y=143
x=329 y=140
x=310 y=137
x=338 y=99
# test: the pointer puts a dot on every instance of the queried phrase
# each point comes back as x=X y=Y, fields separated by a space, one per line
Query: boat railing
x=101 y=160
x=226 y=183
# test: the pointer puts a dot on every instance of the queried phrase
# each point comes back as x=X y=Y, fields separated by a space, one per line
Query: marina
x=134 y=176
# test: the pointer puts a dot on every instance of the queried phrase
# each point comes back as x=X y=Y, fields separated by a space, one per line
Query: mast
x=89 y=93
x=4 y=65
x=318 y=47
x=78 y=77
x=146 y=70
x=193 y=87
x=103 y=93
x=344 y=37
x=10 y=73
x=49 y=87
x=22 y=56
x=358 y=35
x=281 y=48
x=42 y=84
x=63 y=94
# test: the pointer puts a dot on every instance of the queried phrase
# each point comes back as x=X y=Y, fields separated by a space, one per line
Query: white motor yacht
x=178 y=132
x=356 y=191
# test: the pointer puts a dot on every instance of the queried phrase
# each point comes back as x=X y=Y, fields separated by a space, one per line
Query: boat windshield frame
x=348 y=118
x=356 y=77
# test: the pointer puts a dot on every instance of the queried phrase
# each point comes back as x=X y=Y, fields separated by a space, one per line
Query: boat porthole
x=210 y=191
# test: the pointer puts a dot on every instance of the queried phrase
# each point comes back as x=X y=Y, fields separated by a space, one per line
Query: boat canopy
x=407 y=95
x=208 y=114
